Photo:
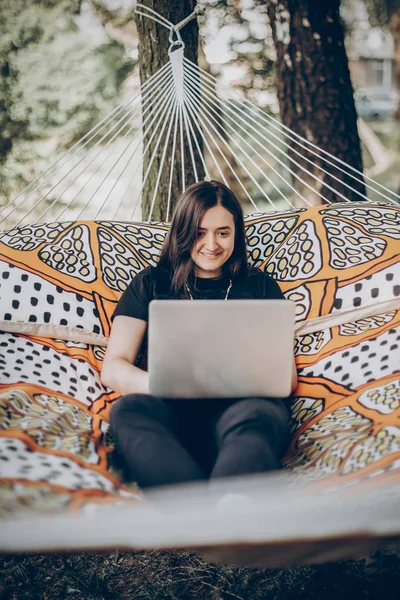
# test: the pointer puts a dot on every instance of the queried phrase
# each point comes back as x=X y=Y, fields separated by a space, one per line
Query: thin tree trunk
x=395 y=31
x=153 y=54
x=315 y=91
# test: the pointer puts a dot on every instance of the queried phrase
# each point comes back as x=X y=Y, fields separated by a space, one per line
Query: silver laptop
x=217 y=349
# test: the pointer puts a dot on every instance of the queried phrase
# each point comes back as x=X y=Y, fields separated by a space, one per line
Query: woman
x=172 y=441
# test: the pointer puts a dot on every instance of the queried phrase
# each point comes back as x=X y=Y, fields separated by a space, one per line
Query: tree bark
x=315 y=92
x=153 y=54
x=394 y=25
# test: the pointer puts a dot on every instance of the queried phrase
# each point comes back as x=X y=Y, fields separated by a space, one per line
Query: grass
x=162 y=575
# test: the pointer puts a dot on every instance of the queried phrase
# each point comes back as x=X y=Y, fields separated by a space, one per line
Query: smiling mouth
x=211 y=255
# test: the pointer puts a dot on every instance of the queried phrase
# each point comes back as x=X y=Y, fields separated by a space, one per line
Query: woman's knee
x=269 y=416
x=138 y=404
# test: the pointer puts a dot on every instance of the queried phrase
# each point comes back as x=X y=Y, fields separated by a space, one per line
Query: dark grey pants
x=172 y=441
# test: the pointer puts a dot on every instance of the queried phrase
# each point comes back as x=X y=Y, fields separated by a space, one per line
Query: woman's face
x=215 y=242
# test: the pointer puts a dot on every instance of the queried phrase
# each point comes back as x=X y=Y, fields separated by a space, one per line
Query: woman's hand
x=118 y=372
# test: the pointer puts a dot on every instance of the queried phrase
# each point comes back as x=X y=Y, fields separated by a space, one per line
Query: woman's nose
x=211 y=242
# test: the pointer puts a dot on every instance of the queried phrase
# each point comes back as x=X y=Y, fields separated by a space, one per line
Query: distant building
x=370 y=51
x=372 y=64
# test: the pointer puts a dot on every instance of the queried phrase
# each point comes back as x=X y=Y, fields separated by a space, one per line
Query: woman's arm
x=118 y=371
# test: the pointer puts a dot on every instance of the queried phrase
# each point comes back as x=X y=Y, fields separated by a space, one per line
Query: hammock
x=181 y=104
x=72 y=248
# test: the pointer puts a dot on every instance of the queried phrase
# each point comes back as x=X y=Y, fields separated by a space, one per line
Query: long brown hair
x=192 y=205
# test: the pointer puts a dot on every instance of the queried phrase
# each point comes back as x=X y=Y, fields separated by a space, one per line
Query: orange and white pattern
x=60 y=282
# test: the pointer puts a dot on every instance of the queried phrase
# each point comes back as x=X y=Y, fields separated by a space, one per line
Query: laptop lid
x=217 y=349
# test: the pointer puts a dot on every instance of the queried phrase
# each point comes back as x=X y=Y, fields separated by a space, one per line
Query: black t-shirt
x=155 y=283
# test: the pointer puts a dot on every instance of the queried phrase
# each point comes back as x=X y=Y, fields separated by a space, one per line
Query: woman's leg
x=251 y=435
x=142 y=428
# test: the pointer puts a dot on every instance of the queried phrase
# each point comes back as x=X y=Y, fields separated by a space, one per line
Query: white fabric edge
x=187 y=516
x=347 y=316
x=75 y=334
x=51 y=330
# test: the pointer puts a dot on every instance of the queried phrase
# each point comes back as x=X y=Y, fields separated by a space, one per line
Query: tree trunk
x=153 y=54
x=395 y=31
x=5 y=120
x=315 y=92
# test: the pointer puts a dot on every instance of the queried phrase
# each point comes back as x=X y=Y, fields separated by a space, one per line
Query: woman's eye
x=224 y=233
x=200 y=233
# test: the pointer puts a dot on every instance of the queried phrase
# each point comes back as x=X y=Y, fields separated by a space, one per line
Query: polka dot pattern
x=381 y=286
x=50 y=422
x=301 y=296
x=36 y=300
x=23 y=361
x=265 y=237
x=376 y=221
x=373 y=448
x=299 y=257
x=363 y=325
x=385 y=399
x=16 y=457
x=364 y=362
x=303 y=410
x=98 y=259
x=31 y=237
x=71 y=255
x=349 y=245
x=118 y=263
x=312 y=343
x=55 y=409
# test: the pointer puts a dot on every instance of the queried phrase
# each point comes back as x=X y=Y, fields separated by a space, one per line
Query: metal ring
x=178 y=36
x=170 y=49
x=178 y=42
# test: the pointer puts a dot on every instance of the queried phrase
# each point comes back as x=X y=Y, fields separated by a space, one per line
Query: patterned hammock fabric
x=60 y=283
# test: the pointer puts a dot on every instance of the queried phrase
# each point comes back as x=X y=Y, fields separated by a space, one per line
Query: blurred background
x=66 y=64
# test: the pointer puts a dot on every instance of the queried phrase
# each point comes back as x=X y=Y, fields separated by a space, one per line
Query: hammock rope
x=167 y=97
x=159 y=107
x=269 y=152
x=227 y=111
x=179 y=106
x=162 y=75
x=262 y=158
x=190 y=100
x=295 y=137
x=108 y=143
x=146 y=11
x=168 y=109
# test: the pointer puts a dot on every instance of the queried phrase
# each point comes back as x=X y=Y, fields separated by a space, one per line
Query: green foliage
x=251 y=43
x=57 y=80
x=23 y=24
x=380 y=11
x=74 y=85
